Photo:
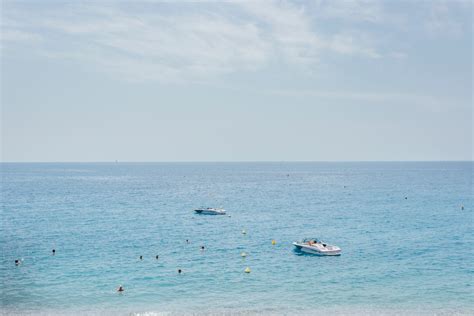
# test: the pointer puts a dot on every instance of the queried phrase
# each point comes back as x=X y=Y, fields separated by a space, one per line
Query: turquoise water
x=412 y=255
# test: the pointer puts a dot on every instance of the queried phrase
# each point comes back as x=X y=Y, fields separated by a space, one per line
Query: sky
x=236 y=81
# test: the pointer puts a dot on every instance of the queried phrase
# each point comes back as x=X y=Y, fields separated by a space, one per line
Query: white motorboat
x=317 y=247
x=210 y=211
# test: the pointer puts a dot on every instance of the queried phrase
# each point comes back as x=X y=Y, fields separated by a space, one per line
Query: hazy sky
x=236 y=81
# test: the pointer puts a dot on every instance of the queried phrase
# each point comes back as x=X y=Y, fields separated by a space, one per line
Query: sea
x=405 y=230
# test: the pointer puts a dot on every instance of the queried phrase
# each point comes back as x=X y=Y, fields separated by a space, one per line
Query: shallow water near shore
x=407 y=244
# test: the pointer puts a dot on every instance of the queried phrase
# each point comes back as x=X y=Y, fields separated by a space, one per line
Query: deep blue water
x=408 y=255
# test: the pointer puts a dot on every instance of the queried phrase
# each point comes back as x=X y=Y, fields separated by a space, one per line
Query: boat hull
x=210 y=212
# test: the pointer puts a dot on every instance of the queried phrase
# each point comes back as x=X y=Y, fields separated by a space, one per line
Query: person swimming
x=54 y=251
x=120 y=289
x=157 y=257
x=187 y=241
x=202 y=247
x=141 y=257
x=179 y=271
x=17 y=262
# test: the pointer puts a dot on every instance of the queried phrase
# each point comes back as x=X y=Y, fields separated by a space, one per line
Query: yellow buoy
x=274 y=242
x=244 y=232
x=247 y=270
x=243 y=254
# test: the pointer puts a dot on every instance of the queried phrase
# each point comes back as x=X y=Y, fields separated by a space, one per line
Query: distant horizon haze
x=235 y=161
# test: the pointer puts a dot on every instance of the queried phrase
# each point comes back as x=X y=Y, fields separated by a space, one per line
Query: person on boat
x=120 y=289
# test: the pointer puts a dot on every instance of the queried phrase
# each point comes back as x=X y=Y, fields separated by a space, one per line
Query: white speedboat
x=317 y=247
x=210 y=211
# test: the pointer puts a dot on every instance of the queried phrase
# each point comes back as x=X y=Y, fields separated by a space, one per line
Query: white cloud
x=189 y=45
x=397 y=55
x=350 y=10
x=443 y=18
x=350 y=95
x=352 y=44
x=426 y=102
x=287 y=29
x=156 y=41
x=12 y=35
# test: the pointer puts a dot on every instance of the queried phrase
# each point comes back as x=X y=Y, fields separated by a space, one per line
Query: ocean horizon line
x=228 y=161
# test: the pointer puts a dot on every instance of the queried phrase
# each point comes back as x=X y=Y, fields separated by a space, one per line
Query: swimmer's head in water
x=157 y=256
x=120 y=289
x=17 y=262
x=54 y=251
x=202 y=247
x=141 y=257
x=179 y=271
